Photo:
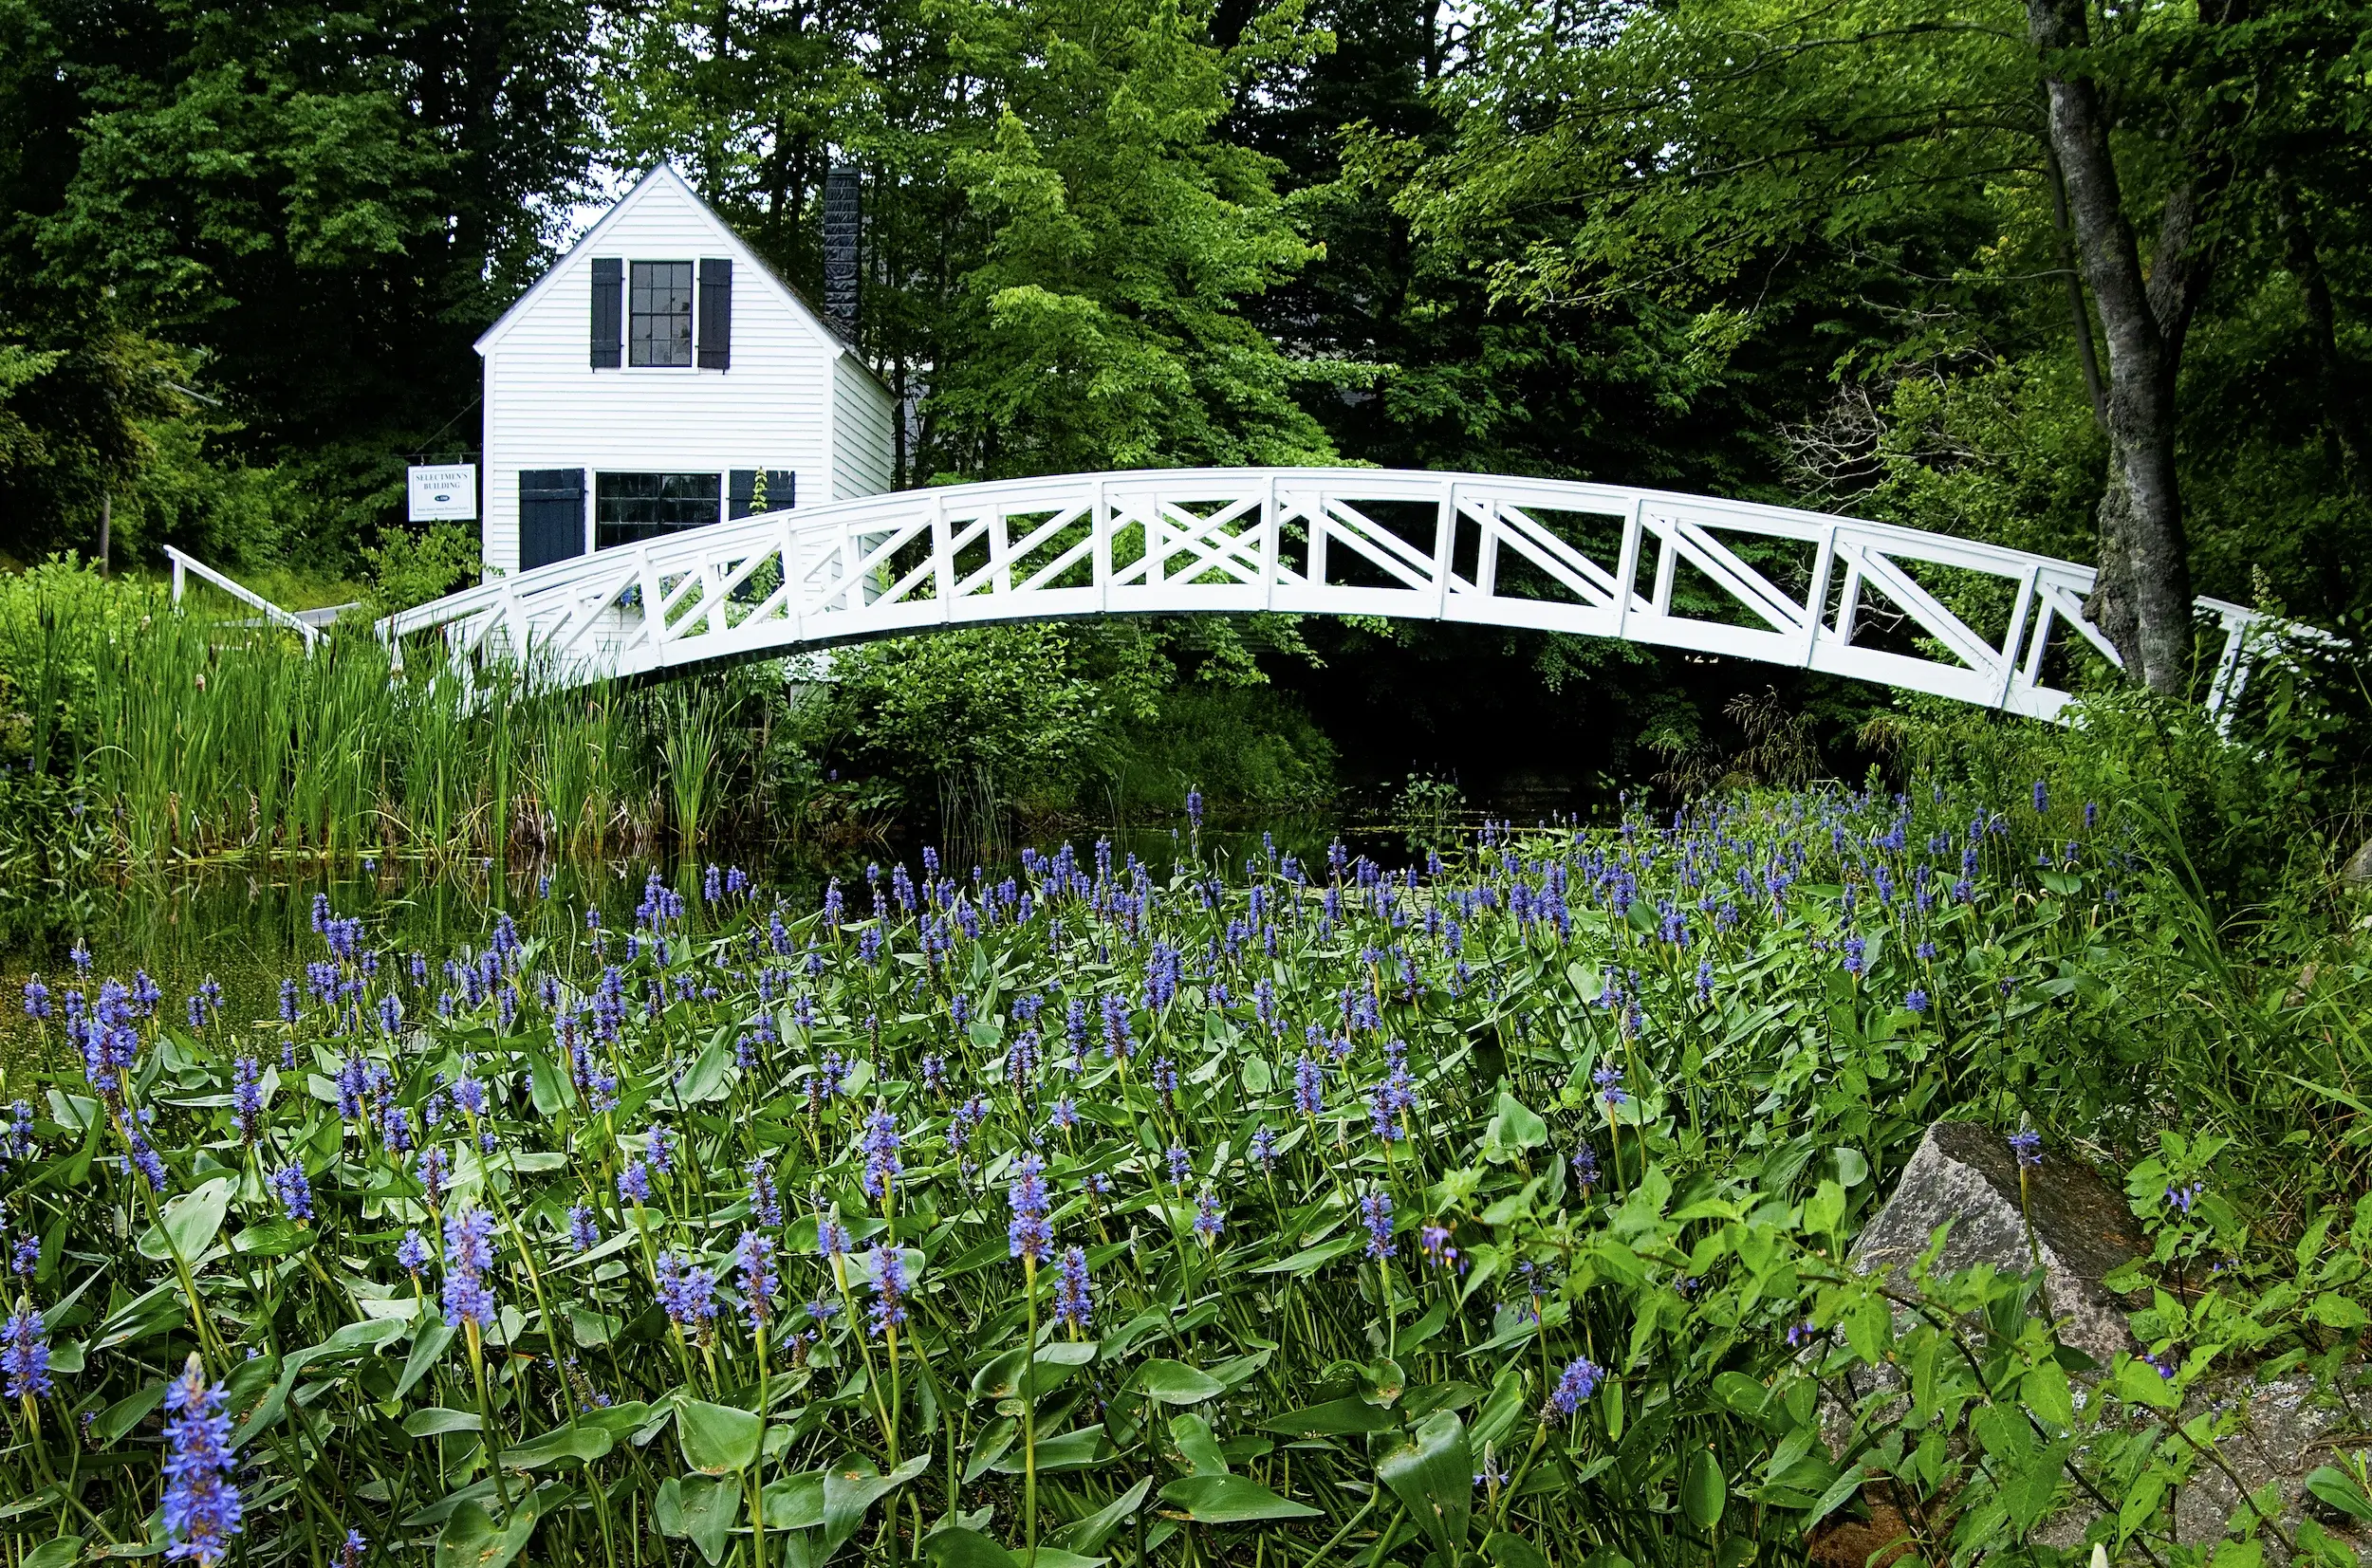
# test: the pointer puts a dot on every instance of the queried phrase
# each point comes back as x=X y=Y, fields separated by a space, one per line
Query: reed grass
x=196 y=737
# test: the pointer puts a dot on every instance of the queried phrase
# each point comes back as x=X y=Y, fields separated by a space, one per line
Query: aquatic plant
x=1272 y=1210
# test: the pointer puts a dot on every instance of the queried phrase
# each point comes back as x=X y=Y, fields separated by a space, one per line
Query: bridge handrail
x=1226 y=526
x=184 y=564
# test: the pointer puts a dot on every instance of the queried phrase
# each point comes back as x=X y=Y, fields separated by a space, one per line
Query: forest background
x=1851 y=254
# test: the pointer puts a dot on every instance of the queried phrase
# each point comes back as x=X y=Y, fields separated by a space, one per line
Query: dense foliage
x=245 y=253
x=1496 y=1205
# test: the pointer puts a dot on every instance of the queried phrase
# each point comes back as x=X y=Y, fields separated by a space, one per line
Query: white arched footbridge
x=1982 y=623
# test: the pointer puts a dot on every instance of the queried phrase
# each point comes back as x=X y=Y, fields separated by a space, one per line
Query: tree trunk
x=2144 y=560
x=2341 y=412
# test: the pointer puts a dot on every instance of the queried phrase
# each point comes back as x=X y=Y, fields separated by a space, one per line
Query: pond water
x=246 y=928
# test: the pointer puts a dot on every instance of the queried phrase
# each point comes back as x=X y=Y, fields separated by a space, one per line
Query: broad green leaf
x=1071 y=1450
x=718 y=1439
x=1433 y=1475
x=2139 y=1382
x=1176 y=1383
x=848 y=1493
x=471 y=1539
x=191 y=1222
x=61 y=1553
x=1233 y=1499
x=1310 y=1259
x=428 y=1348
x=1335 y=1418
x=2048 y=1394
x=581 y=1444
x=795 y=1502
x=126 y=1414
x=708 y=1508
x=2338 y=1488
x=960 y=1548
x=1001 y=1377
x=1704 y=1489
x=706 y=1080
x=1512 y=1551
x=1087 y=1534
x=435 y=1420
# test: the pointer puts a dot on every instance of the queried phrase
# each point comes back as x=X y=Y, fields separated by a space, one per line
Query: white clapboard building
x=661 y=376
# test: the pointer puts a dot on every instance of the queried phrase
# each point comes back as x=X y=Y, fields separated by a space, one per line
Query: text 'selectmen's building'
x=661 y=376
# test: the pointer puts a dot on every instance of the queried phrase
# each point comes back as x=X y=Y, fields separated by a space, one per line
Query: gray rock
x=1967 y=1176
x=2357 y=871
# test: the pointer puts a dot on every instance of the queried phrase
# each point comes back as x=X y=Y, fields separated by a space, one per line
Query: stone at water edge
x=1967 y=1176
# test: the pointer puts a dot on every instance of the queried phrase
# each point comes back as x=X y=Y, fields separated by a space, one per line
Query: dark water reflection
x=246 y=928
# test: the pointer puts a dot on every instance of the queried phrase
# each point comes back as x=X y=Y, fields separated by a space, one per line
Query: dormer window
x=659 y=313
x=644 y=314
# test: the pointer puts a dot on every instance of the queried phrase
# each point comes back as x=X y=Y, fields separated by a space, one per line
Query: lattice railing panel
x=1976 y=622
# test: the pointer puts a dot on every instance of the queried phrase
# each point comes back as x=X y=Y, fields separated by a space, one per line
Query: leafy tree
x=1977 y=159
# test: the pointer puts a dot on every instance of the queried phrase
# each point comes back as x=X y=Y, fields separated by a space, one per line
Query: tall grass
x=184 y=736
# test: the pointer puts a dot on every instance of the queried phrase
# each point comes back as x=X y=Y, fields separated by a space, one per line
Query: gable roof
x=667 y=173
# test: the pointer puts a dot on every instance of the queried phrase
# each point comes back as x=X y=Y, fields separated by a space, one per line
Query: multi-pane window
x=628 y=507
x=659 y=313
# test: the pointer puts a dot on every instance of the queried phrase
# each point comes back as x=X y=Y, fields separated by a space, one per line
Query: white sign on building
x=444 y=495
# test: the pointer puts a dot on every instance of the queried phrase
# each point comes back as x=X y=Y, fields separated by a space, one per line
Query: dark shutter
x=716 y=313
x=609 y=311
x=781 y=491
x=552 y=512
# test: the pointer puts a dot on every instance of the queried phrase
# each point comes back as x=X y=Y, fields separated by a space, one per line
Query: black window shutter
x=609 y=311
x=741 y=491
x=716 y=313
x=552 y=516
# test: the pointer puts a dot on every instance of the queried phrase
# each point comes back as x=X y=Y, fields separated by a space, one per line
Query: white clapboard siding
x=861 y=433
x=546 y=407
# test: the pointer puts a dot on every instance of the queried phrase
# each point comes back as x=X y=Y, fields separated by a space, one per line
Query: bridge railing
x=1980 y=623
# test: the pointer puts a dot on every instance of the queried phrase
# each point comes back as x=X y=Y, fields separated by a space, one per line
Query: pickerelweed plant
x=1493 y=1209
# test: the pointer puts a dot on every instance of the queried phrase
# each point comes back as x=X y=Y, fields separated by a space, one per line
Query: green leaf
x=1310 y=1259
x=708 y=1508
x=2334 y=1310
x=706 y=1080
x=1511 y=1551
x=60 y=1553
x=847 y=1493
x=435 y=1420
x=2048 y=1394
x=126 y=1414
x=1087 y=1534
x=718 y=1439
x=1072 y=1451
x=471 y=1539
x=1001 y=1377
x=795 y=1502
x=191 y=1222
x=582 y=1444
x=1433 y=1475
x=1176 y=1383
x=428 y=1348
x=1232 y=1500
x=2137 y=1382
x=548 y=1087
x=1703 y=1490
x=960 y=1548
x=1335 y=1418
x=2338 y=1488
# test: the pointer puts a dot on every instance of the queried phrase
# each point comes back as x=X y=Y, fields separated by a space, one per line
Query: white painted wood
x=796 y=396
x=1219 y=540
